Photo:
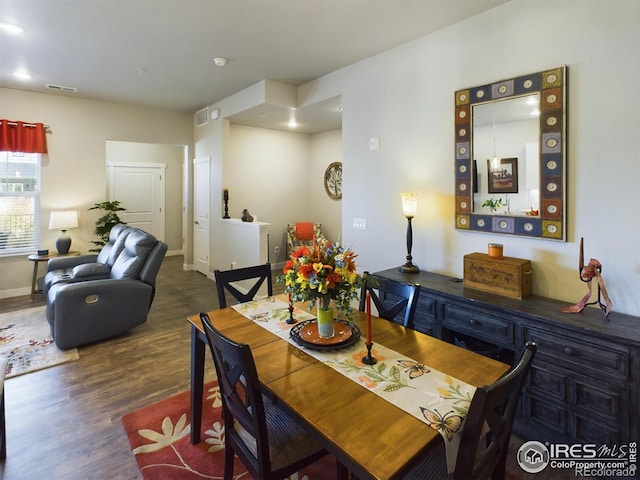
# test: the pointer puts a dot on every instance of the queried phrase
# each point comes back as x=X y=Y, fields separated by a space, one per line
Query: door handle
x=196 y=223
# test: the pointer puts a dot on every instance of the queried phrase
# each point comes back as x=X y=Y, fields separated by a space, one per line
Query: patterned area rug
x=159 y=437
x=25 y=339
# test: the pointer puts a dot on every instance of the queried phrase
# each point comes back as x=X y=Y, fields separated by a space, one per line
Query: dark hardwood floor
x=64 y=422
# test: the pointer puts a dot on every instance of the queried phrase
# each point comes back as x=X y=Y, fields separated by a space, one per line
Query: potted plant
x=106 y=222
x=493 y=203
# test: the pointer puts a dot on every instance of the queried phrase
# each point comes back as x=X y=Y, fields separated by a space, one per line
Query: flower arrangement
x=328 y=273
x=493 y=203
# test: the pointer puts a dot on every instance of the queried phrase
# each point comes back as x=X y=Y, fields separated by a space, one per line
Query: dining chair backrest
x=391 y=298
x=225 y=280
x=241 y=399
x=270 y=443
x=486 y=432
x=490 y=417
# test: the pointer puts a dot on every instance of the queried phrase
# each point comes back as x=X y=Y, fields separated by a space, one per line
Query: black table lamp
x=409 y=207
x=62 y=221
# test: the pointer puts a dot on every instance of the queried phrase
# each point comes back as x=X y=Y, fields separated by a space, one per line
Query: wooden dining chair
x=225 y=282
x=490 y=416
x=391 y=298
x=267 y=439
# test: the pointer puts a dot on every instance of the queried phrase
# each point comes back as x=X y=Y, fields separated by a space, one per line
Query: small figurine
x=587 y=273
x=246 y=216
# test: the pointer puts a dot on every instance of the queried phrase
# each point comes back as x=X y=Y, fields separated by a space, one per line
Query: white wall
x=173 y=157
x=406 y=97
x=74 y=174
x=278 y=177
x=326 y=148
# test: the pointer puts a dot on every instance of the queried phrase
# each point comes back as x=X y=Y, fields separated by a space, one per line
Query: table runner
x=439 y=400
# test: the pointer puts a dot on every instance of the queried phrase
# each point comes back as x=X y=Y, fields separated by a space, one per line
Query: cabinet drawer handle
x=568 y=350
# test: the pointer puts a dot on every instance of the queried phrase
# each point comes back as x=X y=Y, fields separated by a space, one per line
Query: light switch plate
x=360 y=223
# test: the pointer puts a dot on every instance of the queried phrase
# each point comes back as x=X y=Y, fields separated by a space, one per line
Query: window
x=19 y=202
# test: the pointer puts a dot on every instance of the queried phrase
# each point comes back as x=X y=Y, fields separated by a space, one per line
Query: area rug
x=25 y=339
x=160 y=439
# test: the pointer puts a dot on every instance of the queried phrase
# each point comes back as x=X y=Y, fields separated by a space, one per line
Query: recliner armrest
x=64 y=263
x=93 y=270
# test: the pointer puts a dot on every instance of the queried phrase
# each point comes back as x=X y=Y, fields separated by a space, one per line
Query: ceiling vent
x=202 y=117
x=60 y=88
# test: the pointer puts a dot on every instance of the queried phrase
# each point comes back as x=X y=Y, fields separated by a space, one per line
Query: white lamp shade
x=63 y=220
x=409 y=204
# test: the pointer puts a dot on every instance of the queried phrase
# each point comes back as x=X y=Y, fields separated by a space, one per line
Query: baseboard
x=16 y=292
x=277 y=266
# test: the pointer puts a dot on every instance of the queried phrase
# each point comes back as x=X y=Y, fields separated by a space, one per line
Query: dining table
x=370 y=435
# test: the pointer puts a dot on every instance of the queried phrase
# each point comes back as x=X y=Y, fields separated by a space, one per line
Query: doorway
x=140 y=188
x=201 y=217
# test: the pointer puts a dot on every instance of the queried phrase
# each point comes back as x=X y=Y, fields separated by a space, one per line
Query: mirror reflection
x=510 y=163
x=506 y=157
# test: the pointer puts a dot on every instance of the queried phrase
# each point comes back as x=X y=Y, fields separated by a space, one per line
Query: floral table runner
x=433 y=397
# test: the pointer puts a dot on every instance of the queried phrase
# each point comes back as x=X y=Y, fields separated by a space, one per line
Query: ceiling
x=159 y=53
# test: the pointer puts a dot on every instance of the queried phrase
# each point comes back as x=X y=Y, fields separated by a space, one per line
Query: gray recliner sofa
x=109 y=298
x=87 y=267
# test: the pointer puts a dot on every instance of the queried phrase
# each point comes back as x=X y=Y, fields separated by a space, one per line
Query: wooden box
x=507 y=276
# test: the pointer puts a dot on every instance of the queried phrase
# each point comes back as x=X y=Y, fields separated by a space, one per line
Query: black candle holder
x=368 y=359
x=226 y=208
x=291 y=320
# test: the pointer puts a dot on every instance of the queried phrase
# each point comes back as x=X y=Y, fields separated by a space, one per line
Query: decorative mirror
x=510 y=156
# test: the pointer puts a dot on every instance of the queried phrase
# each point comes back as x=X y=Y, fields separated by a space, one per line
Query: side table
x=36 y=259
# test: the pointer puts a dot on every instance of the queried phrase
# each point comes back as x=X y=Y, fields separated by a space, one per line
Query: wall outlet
x=276 y=251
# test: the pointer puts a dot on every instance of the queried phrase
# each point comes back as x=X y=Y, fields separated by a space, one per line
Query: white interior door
x=140 y=189
x=201 y=217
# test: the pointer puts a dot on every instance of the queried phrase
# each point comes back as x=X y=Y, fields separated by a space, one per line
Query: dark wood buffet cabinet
x=584 y=381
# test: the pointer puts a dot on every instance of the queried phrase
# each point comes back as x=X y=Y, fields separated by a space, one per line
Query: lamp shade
x=62 y=220
x=409 y=204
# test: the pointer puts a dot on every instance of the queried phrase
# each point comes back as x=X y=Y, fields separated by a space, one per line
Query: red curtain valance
x=22 y=137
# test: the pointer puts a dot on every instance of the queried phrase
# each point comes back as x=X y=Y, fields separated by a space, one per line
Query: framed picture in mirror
x=503 y=175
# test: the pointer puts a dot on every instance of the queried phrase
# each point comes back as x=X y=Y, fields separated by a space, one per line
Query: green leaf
x=394 y=372
x=394 y=387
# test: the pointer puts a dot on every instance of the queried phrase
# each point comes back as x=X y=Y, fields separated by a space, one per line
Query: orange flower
x=288 y=266
x=301 y=252
x=367 y=382
x=332 y=279
x=306 y=270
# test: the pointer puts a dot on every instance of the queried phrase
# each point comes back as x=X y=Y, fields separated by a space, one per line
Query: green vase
x=325 y=322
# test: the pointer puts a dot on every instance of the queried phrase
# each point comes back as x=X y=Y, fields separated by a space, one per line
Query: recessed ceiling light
x=220 y=62
x=22 y=75
x=11 y=28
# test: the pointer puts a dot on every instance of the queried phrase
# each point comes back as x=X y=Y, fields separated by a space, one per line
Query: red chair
x=302 y=234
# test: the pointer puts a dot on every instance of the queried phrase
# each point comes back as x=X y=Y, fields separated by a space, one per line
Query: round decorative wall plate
x=333 y=180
